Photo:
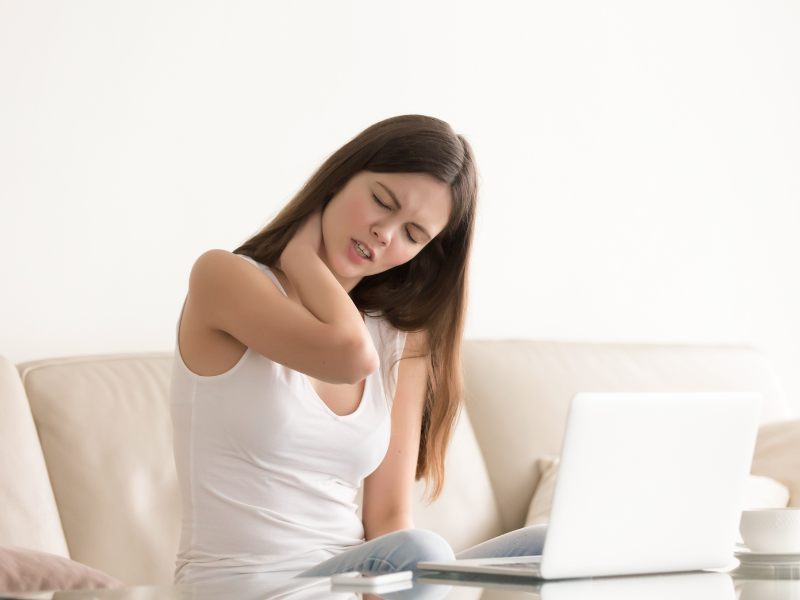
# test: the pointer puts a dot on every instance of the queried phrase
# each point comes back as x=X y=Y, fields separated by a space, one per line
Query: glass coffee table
x=745 y=582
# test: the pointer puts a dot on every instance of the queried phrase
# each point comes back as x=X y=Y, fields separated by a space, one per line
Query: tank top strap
x=264 y=269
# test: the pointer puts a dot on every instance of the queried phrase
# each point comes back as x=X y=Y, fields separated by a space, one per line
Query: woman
x=325 y=351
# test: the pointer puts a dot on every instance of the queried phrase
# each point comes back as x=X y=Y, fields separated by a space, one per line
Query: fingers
x=309 y=234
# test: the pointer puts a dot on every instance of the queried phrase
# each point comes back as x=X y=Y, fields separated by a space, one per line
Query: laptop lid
x=650 y=483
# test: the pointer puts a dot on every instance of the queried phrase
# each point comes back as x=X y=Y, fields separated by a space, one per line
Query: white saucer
x=767 y=558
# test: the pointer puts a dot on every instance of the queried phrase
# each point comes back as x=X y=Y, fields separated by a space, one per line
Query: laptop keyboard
x=520 y=565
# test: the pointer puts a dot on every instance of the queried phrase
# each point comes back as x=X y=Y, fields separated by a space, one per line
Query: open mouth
x=362 y=251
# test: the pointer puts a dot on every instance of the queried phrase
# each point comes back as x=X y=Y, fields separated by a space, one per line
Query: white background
x=640 y=161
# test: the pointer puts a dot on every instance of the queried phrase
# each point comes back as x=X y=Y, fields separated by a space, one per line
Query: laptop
x=647 y=483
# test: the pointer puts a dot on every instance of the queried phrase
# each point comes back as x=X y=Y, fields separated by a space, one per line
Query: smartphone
x=369 y=581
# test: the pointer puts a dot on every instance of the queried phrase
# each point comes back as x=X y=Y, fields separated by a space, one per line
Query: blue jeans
x=402 y=550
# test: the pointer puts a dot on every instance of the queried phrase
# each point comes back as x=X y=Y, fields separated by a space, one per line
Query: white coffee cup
x=774 y=530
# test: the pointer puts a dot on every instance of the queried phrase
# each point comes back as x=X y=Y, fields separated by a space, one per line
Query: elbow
x=363 y=360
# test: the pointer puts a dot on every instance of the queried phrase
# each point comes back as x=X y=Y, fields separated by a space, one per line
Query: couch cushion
x=106 y=433
x=518 y=394
x=466 y=512
x=28 y=517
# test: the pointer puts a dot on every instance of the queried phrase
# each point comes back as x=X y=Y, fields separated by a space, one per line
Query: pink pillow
x=23 y=570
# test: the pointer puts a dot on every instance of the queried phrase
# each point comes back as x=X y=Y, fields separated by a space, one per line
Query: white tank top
x=268 y=473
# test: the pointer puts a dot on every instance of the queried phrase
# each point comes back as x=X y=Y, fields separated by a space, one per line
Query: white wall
x=639 y=160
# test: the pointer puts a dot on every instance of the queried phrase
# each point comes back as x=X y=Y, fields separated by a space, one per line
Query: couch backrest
x=518 y=394
x=105 y=432
x=104 y=426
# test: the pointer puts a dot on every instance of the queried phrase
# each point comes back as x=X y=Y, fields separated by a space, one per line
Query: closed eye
x=378 y=200
x=408 y=233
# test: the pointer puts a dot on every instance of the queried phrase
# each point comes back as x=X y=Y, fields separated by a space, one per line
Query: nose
x=380 y=235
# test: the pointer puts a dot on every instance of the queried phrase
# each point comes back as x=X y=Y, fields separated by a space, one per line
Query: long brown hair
x=427 y=293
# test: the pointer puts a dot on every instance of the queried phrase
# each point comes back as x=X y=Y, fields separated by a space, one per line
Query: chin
x=345 y=269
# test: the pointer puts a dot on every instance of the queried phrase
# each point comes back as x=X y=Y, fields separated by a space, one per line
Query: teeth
x=362 y=252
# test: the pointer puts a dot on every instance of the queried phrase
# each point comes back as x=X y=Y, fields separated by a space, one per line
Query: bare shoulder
x=214 y=264
x=223 y=287
x=207 y=350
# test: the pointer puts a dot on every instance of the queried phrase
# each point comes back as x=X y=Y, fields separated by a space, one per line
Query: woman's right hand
x=307 y=237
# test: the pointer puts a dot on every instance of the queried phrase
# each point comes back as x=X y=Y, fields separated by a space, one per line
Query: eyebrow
x=397 y=202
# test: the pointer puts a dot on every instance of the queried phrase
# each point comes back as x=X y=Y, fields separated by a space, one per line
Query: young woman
x=325 y=351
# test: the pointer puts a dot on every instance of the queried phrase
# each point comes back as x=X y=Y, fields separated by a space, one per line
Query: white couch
x=87 y=471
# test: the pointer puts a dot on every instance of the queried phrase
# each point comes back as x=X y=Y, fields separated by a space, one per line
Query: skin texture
x=354 y=213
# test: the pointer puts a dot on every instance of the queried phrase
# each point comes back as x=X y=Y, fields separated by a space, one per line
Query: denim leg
x=396 y=551
x=527 y=541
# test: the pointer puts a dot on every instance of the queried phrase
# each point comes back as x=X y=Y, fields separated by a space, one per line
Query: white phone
x=354 y=579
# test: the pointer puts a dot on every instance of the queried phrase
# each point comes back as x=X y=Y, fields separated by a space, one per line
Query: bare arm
x=228 y=294
x=388 y=491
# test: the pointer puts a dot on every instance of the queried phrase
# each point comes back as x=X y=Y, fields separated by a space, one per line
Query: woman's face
x=380 y=220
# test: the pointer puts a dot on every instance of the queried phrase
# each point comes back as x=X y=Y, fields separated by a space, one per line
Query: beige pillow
x=539 y=509
x=23 y=570
x=760 y=492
